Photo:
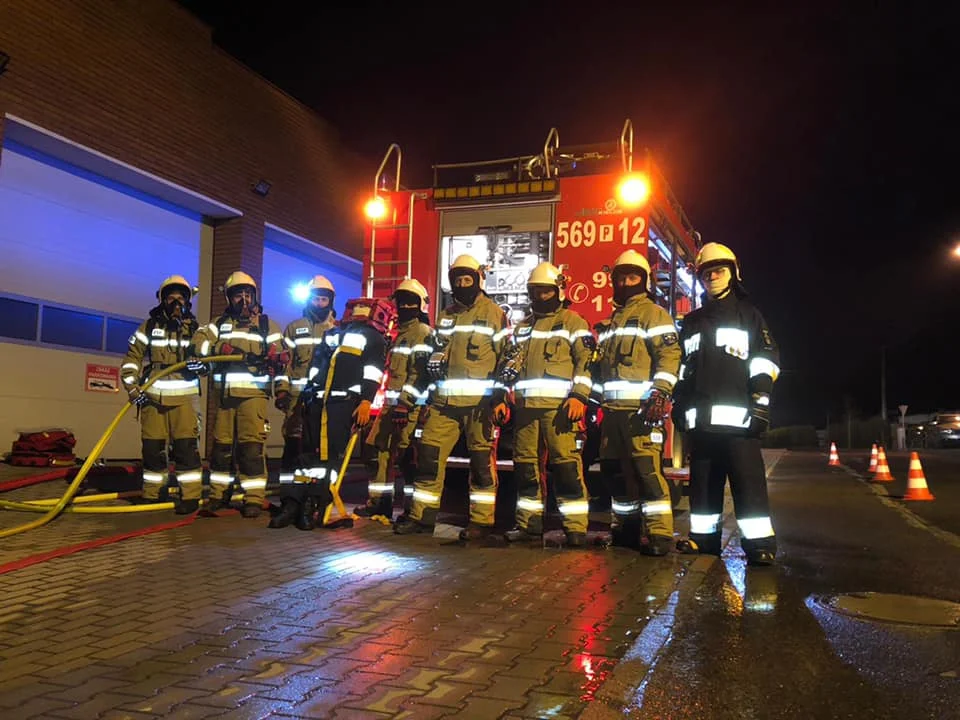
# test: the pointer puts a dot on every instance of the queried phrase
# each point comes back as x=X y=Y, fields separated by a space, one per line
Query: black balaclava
x=411 y=301
x=319 y=314
x=546 y=307
x=465 y=295
x=622 y=294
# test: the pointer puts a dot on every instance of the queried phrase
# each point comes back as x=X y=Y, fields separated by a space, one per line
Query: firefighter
x=301 y=337
x=723 y=401
x=468 y=339
x=638 y=365
x=242 y=390
x=405 y=394
x=168 y=408
x=343 y=379
x=551 y=387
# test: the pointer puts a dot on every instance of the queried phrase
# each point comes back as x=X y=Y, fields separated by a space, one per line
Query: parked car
x=943 y=430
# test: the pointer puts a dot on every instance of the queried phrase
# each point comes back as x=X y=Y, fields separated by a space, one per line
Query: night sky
x=820 y=144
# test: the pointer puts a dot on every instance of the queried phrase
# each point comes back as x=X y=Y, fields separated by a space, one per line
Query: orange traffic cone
x=834 y=458
x=873 y=459
x=916 y=482
x=882 y=473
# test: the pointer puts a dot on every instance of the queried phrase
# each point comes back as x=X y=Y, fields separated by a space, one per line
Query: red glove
x=657 y=408
x=400 y=415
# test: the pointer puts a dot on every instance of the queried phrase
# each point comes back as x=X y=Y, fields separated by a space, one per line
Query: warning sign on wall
x=102 y=378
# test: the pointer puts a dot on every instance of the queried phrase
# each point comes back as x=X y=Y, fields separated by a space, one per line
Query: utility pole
x=883 y=393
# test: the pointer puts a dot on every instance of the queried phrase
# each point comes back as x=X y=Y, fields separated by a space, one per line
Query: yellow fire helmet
x=713 y=254
x=632 y=258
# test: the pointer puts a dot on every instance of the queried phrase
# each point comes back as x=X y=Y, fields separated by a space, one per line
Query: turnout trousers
x=714 y=457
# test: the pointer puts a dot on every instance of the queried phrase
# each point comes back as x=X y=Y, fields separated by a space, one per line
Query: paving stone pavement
x=224 y=618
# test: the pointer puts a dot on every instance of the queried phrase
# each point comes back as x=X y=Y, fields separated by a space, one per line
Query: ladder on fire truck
x=391 y=266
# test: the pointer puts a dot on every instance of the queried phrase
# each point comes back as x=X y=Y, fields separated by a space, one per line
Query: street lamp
x=956 y=251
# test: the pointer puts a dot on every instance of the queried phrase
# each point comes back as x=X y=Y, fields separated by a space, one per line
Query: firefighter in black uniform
x=723 y=401
x=343 y=379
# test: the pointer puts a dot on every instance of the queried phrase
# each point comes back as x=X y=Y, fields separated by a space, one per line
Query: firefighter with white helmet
x=404 y=395
x=468 y=339
x=301 y=337
x=638 y=366
x=242 y=390
x=547 y=367
x=730 y=363
x=168 y=408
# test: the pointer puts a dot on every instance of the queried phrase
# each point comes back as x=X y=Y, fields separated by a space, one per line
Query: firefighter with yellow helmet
x=301 y=337
x=242 y=389
x=468 y=340
x=548 y=370
x=638 y=365
x=404 y=395
x=168 y=408
x=730 y=363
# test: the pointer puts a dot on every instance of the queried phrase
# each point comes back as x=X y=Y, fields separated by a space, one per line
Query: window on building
x=18 y=319
x=72 y=328
x=118 y=334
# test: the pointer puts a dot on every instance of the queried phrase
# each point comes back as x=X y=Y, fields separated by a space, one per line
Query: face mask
x=406 y=314
x=623 y=293
x=718 y=284
x=466 y=295
x=545 y=307
x=319 y=314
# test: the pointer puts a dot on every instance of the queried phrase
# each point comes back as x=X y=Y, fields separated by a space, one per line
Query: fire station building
x=132 y=149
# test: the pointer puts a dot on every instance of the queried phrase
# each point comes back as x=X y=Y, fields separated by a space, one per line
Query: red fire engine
x=577 y=206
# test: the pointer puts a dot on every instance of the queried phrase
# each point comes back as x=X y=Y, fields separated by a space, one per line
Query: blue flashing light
x=300 y=292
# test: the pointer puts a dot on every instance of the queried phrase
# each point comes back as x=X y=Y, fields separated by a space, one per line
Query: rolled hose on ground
x=92 y=458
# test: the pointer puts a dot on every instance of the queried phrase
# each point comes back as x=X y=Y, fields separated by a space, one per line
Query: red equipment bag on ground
x=42 y=449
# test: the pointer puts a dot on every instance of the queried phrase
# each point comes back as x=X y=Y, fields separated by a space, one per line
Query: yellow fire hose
x=335 y=487
x=60 y=504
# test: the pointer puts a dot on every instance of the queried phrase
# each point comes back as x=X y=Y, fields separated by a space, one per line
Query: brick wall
x=140 y=80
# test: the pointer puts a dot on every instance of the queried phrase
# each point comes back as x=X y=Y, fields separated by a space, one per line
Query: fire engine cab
x=577 y=206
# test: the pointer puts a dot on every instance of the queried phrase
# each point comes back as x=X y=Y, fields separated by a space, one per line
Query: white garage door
x=82 y=258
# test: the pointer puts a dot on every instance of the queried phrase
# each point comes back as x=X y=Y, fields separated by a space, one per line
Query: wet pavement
x=223 y=618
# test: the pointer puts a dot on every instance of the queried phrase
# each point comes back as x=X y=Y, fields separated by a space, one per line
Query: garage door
x=82 y=258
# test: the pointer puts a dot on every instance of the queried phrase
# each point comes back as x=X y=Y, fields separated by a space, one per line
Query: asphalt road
x=942 y=471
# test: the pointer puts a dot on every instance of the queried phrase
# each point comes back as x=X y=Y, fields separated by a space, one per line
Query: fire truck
x=577 y=206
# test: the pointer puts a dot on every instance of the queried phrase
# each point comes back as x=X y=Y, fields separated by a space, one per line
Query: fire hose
x=52 y=508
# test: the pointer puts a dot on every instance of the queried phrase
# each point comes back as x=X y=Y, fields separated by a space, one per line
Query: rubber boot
x=306 y=516
x=251 y=510
x=381 y=506
x=407 y=526
x=576 y=539
x=656 y=545
x=289 y=508
x=187 y=507
x=519 y=534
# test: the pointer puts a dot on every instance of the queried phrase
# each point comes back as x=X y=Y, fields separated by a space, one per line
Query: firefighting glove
x=656 y=409
x=198 y=367
x=501 y=414
x=759 y=413
x=282 y=401
x=437 y=366
x=576 y=409
x=138 y=397
x=400 y=415
x=361 y=416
